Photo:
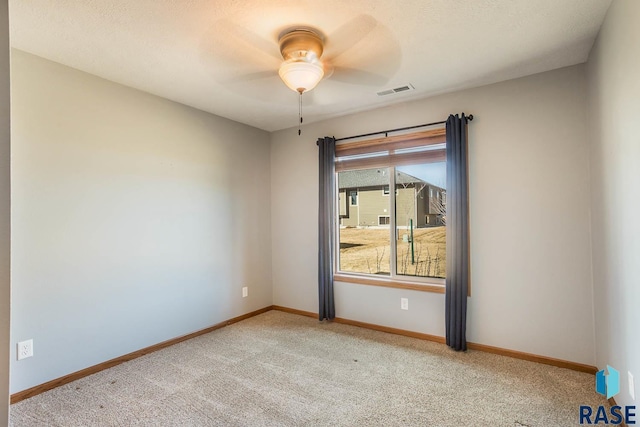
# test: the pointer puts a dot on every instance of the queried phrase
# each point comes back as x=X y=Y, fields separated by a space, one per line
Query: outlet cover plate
x=245 y=292
x=25 y=349
x=404 y=303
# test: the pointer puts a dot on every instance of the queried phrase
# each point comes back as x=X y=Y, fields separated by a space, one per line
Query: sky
x=433 y=173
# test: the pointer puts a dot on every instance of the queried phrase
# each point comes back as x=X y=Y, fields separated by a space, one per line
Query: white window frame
x=394 y=280
x=433 y=284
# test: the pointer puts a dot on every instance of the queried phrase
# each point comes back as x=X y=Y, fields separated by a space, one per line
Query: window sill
x=391 y=283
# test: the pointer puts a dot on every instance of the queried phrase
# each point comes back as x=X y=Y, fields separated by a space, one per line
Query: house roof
x=373 y=178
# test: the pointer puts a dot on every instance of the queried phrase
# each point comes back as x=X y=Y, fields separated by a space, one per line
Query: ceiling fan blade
x=328 y=70
x=348 y=35
x=360 y=77
x=232 y=44
x=252 y=76
x=269 y=89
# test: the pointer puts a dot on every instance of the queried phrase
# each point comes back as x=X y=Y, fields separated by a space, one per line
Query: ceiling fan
x=361 y=52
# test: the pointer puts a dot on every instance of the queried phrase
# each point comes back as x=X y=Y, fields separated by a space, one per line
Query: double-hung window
x=396 y=237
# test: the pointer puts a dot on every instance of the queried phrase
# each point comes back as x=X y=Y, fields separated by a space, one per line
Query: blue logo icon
x=608 y=385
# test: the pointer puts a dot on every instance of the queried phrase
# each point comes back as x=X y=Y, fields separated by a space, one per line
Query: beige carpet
x=279 y=369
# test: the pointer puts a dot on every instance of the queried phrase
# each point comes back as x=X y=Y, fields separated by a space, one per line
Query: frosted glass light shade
x=301 y=76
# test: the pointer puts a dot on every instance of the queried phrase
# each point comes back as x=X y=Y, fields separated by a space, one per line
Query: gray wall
x=614 y=109
x=531 y=283
x=5 y=214
x=136 y=219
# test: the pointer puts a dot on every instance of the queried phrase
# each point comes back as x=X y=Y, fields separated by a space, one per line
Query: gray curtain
x=326 y=227
x=457 y=281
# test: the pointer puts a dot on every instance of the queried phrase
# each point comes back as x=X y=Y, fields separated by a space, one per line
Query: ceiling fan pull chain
x=300 y=112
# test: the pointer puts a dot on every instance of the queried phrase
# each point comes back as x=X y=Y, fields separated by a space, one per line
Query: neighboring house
x=364 y=200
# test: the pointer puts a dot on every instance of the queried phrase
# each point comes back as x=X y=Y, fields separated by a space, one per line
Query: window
x=385 y=190
x=353 y=196
x=395 y=236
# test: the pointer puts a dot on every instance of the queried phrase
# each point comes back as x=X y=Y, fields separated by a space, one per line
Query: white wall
x=5 y=213
x=530 y=236
x=135 y=219
x=614 y=119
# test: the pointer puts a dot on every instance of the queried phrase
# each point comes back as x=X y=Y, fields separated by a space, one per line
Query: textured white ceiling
x=221 y=56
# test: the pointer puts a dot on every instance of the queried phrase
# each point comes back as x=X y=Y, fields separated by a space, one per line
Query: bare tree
x=379 y=260
x=439 y=206
x=409 y=208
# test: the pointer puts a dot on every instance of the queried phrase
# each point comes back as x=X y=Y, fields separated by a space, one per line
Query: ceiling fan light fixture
x=301 y=76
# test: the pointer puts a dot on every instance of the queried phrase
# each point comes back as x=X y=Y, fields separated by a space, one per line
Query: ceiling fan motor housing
x=299 y=43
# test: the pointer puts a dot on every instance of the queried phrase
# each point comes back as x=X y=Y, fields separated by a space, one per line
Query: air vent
x=386 y=92
x=398 y=89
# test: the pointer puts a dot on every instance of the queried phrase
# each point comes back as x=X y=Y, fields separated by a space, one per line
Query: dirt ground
x=366 y=250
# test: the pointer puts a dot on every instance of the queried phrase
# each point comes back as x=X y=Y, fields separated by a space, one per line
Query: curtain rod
x=469 y=118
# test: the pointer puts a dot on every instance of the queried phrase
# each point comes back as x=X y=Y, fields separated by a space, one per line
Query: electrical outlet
x=245 y=292
x=632 y=390
x=25 y=349
x=404 y=303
